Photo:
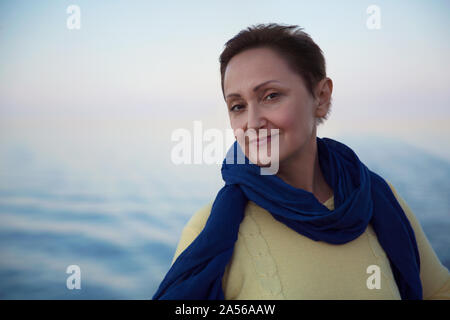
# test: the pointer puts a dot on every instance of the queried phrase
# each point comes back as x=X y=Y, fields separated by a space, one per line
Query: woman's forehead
x=249 y=71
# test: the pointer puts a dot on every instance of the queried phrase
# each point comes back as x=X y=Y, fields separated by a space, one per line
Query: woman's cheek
x=287 y=121
x=297 y=126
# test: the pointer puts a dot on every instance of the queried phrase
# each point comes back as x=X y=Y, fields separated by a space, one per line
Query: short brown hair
x=301 y=53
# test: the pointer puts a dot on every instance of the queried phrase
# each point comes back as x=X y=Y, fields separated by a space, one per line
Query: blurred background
x=86 y=117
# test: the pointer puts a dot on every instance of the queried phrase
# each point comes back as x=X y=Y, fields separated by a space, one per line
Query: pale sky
x=157 y=61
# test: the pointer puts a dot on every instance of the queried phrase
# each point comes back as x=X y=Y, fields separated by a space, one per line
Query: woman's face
x=284 y=103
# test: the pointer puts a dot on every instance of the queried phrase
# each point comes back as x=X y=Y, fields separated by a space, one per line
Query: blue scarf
x=360 y=197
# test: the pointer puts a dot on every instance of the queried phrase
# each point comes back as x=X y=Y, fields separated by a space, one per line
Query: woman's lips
x=262 y=140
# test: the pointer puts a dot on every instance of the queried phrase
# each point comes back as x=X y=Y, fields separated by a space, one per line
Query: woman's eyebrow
x=254 y=89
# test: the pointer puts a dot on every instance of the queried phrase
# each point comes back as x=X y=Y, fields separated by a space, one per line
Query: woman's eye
x=237 y=105
x=273 y=93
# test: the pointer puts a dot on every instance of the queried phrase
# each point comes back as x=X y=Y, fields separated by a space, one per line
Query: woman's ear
x=324 y=89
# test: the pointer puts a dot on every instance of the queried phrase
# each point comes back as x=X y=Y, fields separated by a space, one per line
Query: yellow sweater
x=272 y=261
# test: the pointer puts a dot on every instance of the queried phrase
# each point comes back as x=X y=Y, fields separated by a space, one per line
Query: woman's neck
x=302 y=171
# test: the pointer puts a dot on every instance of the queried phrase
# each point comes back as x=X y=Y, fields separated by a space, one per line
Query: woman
x=323 y=226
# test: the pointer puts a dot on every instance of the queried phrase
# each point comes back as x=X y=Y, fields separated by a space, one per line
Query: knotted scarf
x=360 y=197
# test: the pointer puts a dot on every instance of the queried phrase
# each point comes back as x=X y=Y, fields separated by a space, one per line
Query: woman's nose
x=255 y=118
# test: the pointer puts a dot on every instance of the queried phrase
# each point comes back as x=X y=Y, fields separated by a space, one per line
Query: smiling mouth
x=262 y=140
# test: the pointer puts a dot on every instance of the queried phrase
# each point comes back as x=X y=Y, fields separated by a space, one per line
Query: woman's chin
x=264 y=159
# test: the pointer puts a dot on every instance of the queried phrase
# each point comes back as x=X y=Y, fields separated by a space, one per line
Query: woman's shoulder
x=198 y=220
x=410 y=215
x=434 y=275
x=193 y=228
x=406 y=209
x=394 y=191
